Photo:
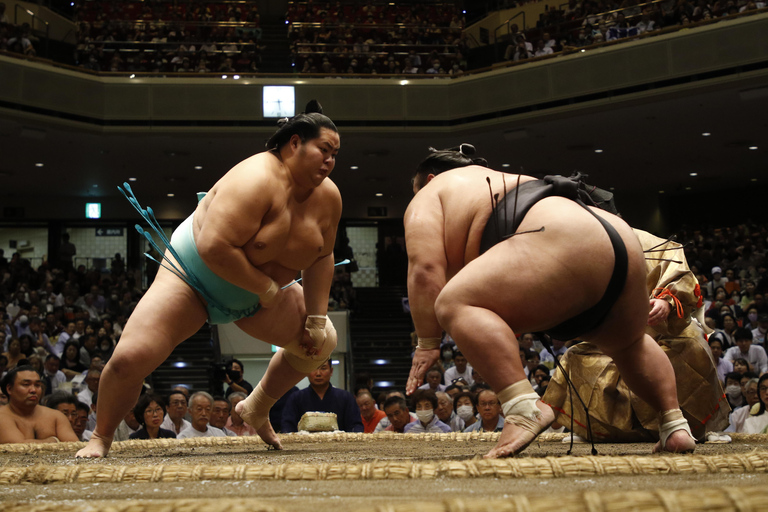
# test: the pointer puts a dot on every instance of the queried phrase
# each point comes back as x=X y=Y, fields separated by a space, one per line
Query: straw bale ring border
x=341 y=437
x=722 y=499
x=545 y=467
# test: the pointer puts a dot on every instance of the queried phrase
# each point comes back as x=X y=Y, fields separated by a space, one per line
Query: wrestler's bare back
x=460 y=200
x=282 y=229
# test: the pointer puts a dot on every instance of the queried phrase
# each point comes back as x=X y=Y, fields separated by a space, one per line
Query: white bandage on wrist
x=519 y=399
x=297 y=356
x=315 y=325
x=256 y=407
x=268 y=297
x=429 y=343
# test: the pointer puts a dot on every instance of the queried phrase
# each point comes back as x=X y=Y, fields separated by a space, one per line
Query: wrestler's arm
x=318 y=278
x=427 y=271
x=234 y=215
x=427 y=263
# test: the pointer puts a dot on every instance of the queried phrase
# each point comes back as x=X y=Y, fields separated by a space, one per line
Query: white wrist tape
x=315 y=325
x=297 y=357
x=429 y=343
x=672 y=421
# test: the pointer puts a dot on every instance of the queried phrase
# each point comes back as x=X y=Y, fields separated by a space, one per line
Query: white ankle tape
x=256 y=407
x=522 y=405
x=672 y=421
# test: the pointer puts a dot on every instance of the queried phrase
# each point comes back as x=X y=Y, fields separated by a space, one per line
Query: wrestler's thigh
x=537 y=280
x=281 y=323
x=168 y=313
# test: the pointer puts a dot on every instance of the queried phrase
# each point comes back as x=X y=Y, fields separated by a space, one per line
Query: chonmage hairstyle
x=444 y=160
x=306 y=125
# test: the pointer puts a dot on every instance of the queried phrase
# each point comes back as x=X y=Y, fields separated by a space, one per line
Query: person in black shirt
x=149 y=412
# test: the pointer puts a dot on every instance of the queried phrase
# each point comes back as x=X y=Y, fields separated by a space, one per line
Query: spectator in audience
x=149 y=412
x=539 y=373
x=723 y=366
x=321 y=396
x=397 y=413
x=454 y=389
x=460 y=370
x=384 y=423
x=757 y=422
x=733 y=390
x=177 y=409
x=424 y=401
x=3 y=365
x=65 y=337
x=92 y=386
x=66 y=404
x=200 y=406
x=220 y=415
x=758 y=333
x=489 y=408
x=433 y=380
x=369 y=414
x=235 y=423
x=542 y=49
x=81 y=421
x=445 y=413
x=88 y=348
x=465 y=407
x=70 y=361
x=24 y=420
x=741 y=366
x=52 y=376
x=754 y=354
x=739 y=415
x=14 y=354
x=234 y=377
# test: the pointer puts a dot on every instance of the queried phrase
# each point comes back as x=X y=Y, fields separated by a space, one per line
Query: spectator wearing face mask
x=465 y=406
x=424 y=401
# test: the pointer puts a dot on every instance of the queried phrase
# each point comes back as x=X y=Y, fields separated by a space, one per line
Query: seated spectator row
x=100 y=12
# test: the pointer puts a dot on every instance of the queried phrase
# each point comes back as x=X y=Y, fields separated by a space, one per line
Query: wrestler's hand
x=308 y=344
x=659 y=311
x=423 y=360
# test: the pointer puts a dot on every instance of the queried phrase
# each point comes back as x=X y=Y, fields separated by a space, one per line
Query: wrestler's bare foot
x=267 y=434
x=678 y=442
x=515 y=439
x=98 y=446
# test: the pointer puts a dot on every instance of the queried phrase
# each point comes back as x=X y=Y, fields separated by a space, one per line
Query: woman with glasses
x=757 y=422
x=149 y=412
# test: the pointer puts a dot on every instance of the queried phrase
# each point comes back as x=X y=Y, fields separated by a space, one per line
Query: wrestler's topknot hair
x=306 y=125
x=441 y=160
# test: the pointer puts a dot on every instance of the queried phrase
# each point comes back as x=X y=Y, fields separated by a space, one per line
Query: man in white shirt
x=52 y=376
x=177 y=409
x=754 y=354
x=200 y=407
x=461 y=370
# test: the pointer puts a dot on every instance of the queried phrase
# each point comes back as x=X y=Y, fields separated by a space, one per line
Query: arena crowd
x=59 y=326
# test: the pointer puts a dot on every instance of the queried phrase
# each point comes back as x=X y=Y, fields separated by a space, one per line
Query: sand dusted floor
x=384 y=472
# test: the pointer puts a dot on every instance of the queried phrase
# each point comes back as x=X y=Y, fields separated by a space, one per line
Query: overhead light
x=706 y=134
x=613 y=188
x=380 y=361
x=379 y=194
x=687 y=188
x=505 y=165
x=598 y=151
x=236 y=77
x=224 y=77
x=752 y=148
x=403 y=82
x=694 y=174
x=131 y=179
x=179 y=364
x=661 y=191
x=198 y=167
x=354 y=167
x=171 y=194
x=95 y=186
x=753 y=179
x=582 y=51
x=384 y=384
x=335 y=361
x=39 y=164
